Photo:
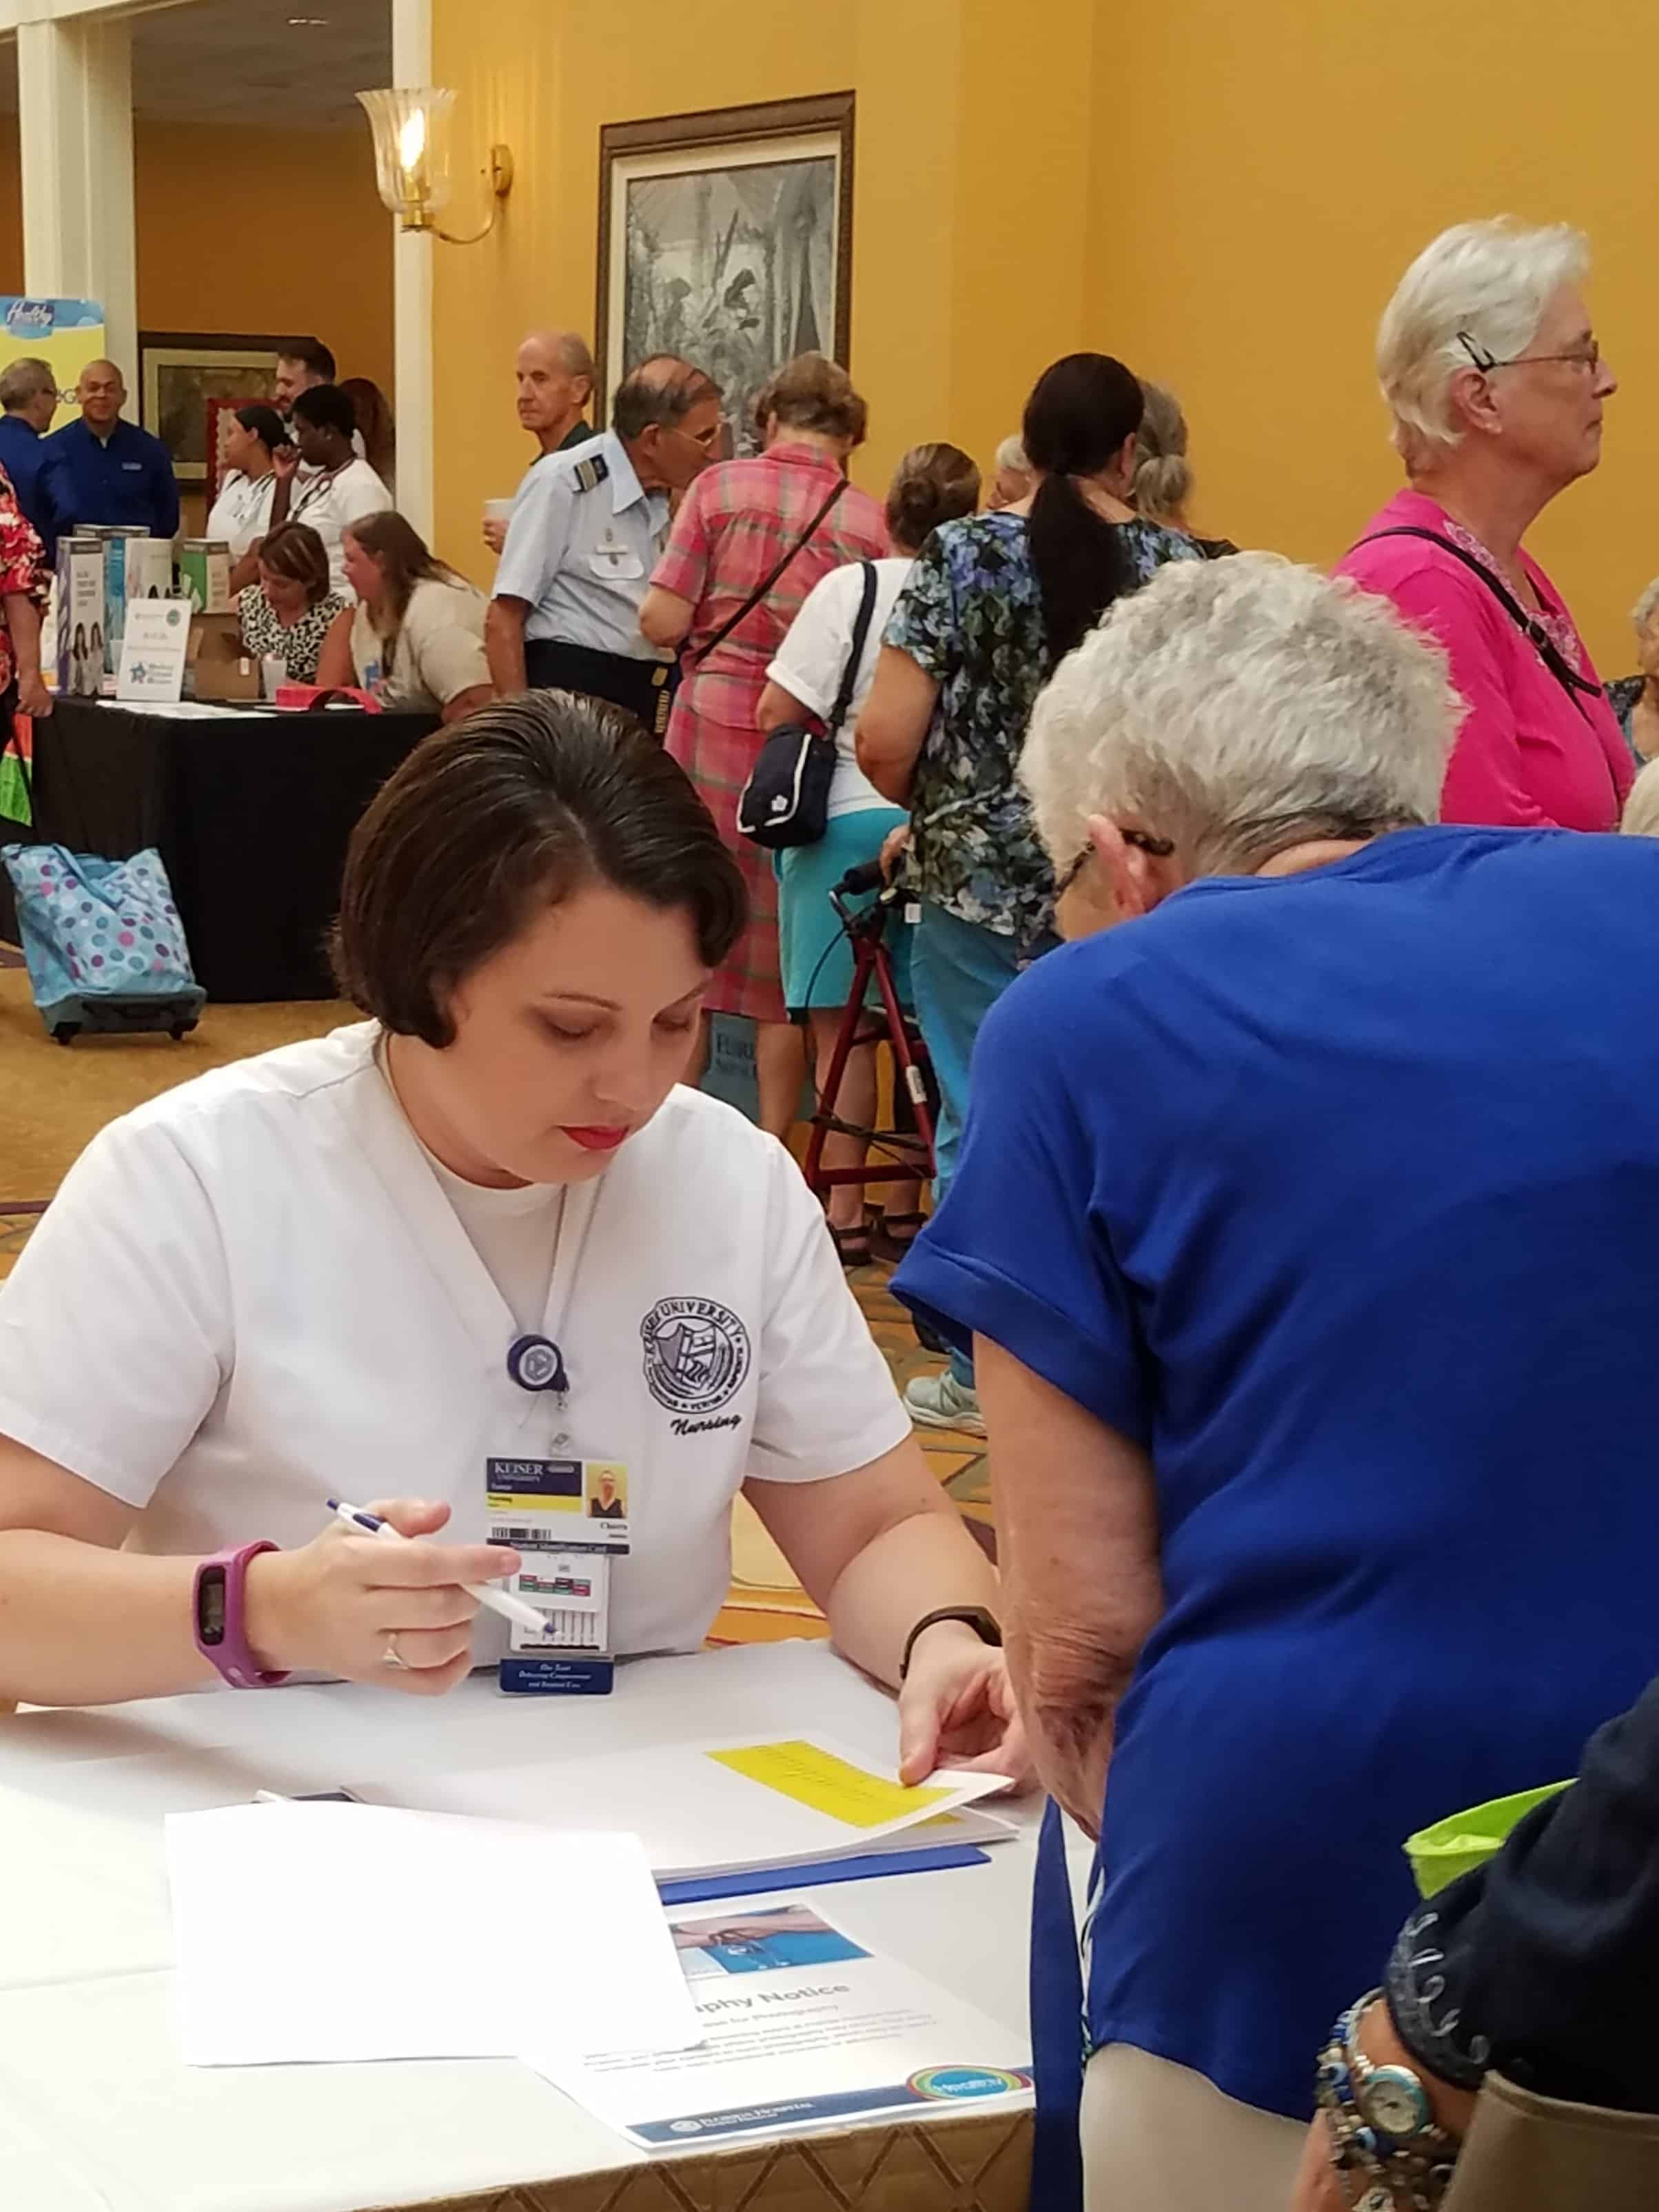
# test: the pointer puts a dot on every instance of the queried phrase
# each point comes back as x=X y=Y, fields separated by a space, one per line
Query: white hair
x=1011 y=453
x=1641 y=815
x=1474 y=298
x=1238 y=706
x=1641 y=614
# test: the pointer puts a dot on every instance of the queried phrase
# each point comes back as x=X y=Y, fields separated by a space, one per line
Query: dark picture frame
x=739 y=319
x=180 y=370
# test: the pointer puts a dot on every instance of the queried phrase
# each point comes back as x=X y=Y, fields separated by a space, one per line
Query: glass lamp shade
x=411 y=150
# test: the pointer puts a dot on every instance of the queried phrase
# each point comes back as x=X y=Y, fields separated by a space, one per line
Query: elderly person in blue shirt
x=28 y=400
x=1304 y=1232
x=105 y=470
x=588 y=523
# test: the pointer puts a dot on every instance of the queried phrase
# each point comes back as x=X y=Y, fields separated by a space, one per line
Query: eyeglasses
x=1159 y=848
x=1485 y=361
x=706 y=438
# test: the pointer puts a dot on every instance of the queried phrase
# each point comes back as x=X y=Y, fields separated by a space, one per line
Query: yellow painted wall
x=270 y=231
x=1267 y=171
x=278 y=231
x=11 y=208
x=968 y=247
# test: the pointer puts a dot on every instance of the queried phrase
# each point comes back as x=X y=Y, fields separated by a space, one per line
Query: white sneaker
x=940 y=1401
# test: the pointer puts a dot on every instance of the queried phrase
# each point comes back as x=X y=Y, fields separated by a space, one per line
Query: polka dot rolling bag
x=103 y=943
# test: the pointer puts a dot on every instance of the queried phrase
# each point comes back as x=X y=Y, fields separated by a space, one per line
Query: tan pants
x=1528 y=2153
x=1156 y=2137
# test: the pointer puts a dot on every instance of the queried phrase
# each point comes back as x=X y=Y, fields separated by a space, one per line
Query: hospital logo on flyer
x=696 y=1354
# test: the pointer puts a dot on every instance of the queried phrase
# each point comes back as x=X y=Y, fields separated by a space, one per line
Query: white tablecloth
x=96 y=2114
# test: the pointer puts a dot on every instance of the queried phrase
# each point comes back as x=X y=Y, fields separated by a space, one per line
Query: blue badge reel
x=568 y=1519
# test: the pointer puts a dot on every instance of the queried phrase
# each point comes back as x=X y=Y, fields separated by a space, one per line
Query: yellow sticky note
x=817 y=1777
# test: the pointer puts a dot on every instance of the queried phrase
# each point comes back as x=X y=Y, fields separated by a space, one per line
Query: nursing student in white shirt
x=304 y=1273
x=240 y=516
x=321 y=480
x=933 y=484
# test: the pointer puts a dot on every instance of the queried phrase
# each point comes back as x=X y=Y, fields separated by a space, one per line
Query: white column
x=74 y=103
x=411 y=293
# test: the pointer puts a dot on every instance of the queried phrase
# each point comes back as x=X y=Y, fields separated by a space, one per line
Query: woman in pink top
x=737 y=523
x=1491 y=369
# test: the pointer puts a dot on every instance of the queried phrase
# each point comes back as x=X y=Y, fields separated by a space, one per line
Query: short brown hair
x=503 y=814
x=294 y=550
x=934 y=483
x=812 y=393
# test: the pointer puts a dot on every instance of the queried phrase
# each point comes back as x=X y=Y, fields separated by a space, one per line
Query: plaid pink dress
x=732 y=528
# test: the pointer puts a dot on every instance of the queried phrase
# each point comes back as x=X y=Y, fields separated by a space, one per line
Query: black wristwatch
x=984 y=1625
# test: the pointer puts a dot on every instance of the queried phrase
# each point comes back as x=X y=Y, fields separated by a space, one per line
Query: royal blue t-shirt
x=1340 y=1192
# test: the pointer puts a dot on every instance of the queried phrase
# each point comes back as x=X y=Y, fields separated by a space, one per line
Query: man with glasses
x=585 y=536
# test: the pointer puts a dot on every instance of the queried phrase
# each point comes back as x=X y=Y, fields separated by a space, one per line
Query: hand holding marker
x=510 y=1608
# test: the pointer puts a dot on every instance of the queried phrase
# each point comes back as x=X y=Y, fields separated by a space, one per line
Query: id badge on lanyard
x=568 y=1519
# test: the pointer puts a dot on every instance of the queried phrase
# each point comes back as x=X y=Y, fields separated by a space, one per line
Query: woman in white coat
x=318 y=1270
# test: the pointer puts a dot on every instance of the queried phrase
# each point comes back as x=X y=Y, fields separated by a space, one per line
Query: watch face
x=1393 y=2101
x=211 y=1606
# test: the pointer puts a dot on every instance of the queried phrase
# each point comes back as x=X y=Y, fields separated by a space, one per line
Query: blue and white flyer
x=803 y=2029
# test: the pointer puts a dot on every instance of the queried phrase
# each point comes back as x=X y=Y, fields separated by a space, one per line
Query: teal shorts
x=815 y=958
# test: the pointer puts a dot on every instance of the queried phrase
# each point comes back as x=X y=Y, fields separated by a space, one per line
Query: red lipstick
x=597 y=1140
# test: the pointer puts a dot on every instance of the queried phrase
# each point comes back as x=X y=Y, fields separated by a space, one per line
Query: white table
x=97 y=2115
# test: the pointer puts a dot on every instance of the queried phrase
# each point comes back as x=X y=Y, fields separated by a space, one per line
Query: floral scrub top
x=299 y=648
x=22 y=572
x=971 y=617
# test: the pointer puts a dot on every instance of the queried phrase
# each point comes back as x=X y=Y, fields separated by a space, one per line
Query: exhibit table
x=96 y=2111
x=252 y=813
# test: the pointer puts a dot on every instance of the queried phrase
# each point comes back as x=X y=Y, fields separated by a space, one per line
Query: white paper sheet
x=804 y=2028
x=696 y=1816
x=350 y=1932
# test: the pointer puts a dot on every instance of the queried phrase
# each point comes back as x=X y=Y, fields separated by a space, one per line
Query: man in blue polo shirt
x=104 y=470
x=28 y=400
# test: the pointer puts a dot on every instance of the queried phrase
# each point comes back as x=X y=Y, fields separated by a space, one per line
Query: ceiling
x=248 y=61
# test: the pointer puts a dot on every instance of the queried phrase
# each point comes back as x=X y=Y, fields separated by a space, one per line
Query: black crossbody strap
x=849 y=675
x=1540 y=639
x=765 y=586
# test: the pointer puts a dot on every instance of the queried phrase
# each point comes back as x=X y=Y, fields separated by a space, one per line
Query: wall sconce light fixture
x=411 y=159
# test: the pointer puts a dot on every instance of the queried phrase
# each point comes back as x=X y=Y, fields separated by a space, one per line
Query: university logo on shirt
x=696 y=1354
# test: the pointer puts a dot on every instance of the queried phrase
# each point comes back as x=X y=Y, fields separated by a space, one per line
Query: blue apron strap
x=1056 y=2027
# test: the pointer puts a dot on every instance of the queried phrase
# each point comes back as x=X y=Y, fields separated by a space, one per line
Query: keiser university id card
x=568 y=1519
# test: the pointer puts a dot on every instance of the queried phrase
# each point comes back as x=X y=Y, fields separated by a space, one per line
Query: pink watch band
x=220 y=1618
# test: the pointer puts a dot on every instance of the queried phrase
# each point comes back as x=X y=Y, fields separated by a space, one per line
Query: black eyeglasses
x=1160 y=848
x=1485 y=361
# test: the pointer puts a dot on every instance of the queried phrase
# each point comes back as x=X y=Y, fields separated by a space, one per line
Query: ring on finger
x=392 y=1657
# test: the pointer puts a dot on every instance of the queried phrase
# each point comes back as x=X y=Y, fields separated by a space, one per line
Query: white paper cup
x=273 y=672
x=498 y=510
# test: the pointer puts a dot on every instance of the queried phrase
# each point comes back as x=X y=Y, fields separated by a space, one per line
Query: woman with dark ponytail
x=1080 y=437
x=994 y=602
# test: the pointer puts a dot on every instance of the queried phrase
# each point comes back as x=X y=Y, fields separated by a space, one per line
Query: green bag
x=1465 y=1840
x=16 y=800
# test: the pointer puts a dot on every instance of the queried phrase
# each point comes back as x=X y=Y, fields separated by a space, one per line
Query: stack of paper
x=802 y=2028
x=337 y=1931
x=727 y=1808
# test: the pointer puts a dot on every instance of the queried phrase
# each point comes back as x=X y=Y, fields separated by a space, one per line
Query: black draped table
x=251 y=813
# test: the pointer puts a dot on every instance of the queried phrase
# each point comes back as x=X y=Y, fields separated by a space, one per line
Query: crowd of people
x=1297 y=1184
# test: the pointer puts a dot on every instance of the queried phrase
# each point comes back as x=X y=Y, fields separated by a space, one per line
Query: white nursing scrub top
x=253 y=1295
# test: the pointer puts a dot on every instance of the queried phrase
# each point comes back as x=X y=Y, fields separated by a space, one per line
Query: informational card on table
x=153 y=650
x=802 y=2028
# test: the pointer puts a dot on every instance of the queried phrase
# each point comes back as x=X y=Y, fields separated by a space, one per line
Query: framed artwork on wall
x=727 y=237
x=180 y=370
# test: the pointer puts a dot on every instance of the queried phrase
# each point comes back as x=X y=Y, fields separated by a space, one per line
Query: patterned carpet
x=52 y=1102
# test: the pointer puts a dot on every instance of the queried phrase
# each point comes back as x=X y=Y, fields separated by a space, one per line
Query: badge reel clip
x=541 y=1508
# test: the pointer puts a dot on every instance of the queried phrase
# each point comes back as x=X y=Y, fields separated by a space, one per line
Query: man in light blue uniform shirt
x=104 y=470
x=584 y=535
